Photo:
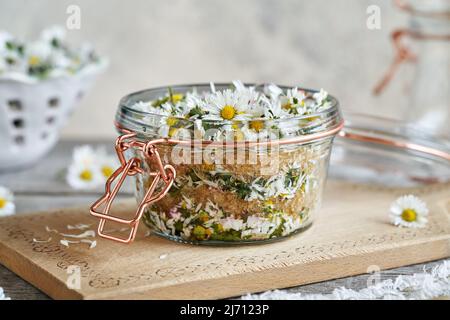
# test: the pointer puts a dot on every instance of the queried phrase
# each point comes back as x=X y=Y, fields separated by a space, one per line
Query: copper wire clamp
x=165 y=173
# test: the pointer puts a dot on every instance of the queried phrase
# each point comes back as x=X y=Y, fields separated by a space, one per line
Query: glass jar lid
x=386 y=152
x=147 y=114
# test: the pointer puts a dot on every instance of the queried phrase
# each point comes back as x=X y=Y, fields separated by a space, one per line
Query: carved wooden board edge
x=316 y=270
x=285 y=271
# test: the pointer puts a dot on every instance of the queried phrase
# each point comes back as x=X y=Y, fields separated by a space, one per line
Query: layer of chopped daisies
x=237 y=113
x=239 y=202
x=48 y=56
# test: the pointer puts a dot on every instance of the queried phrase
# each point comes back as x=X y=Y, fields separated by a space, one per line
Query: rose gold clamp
x=165 y=173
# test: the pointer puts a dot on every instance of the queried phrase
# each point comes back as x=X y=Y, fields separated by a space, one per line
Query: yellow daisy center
x=287 y=106
x=177 y=97
x=107 y=171
x=256 y=125
x=171 y=121
x=172 y=132
x=86 y=175
x=269 y=203
x=228 y=112
x=33 y=60
x=2 y=203
x=409 y=215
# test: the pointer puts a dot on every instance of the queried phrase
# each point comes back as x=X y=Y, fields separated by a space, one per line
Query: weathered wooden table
x=43 y=187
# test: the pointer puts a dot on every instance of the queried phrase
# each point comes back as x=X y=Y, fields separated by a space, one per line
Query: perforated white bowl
x=32 y=113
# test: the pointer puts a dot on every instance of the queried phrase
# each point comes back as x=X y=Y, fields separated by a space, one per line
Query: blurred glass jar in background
x=426 y=44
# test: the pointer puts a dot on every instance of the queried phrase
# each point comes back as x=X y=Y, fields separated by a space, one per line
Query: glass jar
x=425 y=44
x=223 y=191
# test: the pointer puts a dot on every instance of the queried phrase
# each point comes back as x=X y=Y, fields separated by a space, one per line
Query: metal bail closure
x=166 y=173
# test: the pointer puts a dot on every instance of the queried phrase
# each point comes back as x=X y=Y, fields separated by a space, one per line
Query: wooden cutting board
x=350 y=234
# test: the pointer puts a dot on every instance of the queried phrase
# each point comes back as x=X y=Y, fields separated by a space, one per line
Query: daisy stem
x=170 y=95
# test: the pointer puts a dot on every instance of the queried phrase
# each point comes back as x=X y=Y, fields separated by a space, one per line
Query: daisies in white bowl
x=409 y=211
x=90 y=168
x=48 y=56
x=7 y=206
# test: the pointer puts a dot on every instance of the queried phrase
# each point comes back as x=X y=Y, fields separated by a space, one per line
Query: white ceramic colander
x=32 y=112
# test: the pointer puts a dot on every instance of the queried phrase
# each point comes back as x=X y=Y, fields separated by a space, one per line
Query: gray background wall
x=319 y=43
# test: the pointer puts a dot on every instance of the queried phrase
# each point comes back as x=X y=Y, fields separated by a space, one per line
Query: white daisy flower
x=142 y=106
x=258 y=130
x=163 y=111
x=409 y=211
x=85 y=52
x=5 y=38
x=273 y=109
x=273 y=91
x=239 y=85
x=54 y=35
x=320 y=96
x=232 y=224
x=60 y=60
x=90 y=167
x=199 y=130
x=252 y=95
x=293 y=101
x=84 y=177
x=38 y=53
x=249 y=134
x=321 y=101
x=85 y=156
x=12 y=61
x=7 y=206
x=190 y=102
x=106 y=162
x=227 y=105
x=168 y=122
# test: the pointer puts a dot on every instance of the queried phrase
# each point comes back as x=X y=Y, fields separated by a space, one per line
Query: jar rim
x=127 y=117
